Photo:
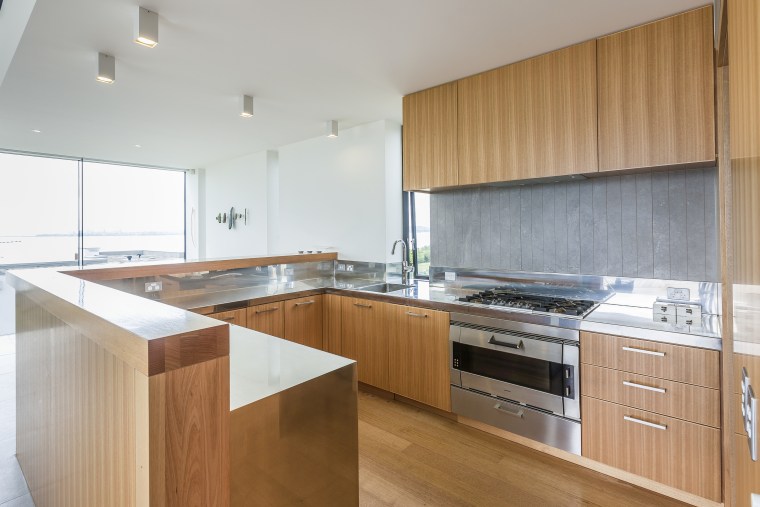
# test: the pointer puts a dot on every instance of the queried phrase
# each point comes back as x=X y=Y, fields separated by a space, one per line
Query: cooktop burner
x=512 y=298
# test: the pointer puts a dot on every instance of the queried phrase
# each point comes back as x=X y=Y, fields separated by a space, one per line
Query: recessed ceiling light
x=332 y=129
x=146 y=28
x=36 y=131
x=138 y=146
x=246 y=110
x=106 y=68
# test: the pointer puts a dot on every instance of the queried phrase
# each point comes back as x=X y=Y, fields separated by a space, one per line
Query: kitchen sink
x=386 y=287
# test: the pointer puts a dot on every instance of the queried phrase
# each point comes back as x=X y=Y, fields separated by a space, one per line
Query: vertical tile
x=628 y=216
x=471 y=229
x=696 y=246
x=507 y=236
x=614 y=227
x=677 y=207
x=661 y=224
x=515 y=221
x=537 y=235
x=496 y=226
x=437 y=229
x=560 y=227
x=526 y=224
x=549 y=240
x=587 y=227
x=573 y=228
x=645 y=249
x=599 y=203
x=712 y=251
x=456 y=253
x=484 y=205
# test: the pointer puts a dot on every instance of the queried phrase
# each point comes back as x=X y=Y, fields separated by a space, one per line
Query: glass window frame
x=410 y=232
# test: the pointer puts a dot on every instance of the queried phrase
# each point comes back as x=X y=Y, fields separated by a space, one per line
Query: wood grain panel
x=238 y=317
x=430 y=138
x=751 y=363
x=683 y=364
x=95 y=273
x=744 y=77
x=683 y=455
x=656 y=93
x=747 y=473
x=269 y=319
x=331 y=324
x=303 y=321
x=365 y=328
x=532 y=119
x=419 y=356
x=682 y=401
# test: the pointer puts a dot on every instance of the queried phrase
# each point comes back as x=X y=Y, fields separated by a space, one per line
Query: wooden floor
x=410 y=457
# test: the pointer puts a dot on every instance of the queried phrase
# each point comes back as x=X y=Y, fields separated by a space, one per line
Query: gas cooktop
x=509 y=297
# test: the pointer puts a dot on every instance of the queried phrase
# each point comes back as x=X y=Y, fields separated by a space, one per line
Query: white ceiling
x=305 y=61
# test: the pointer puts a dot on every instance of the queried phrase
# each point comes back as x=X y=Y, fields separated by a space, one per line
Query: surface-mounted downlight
x=106 y=68
x=146 y=28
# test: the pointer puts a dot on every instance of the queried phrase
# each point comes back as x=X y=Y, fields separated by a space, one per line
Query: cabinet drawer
x=675 y=399
x=681 y=454
x=662 y=360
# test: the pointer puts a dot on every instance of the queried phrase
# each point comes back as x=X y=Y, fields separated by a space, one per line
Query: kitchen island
x=126 y=401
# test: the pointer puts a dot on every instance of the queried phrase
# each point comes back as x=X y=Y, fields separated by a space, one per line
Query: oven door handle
x=500 y=407
x=494 y=341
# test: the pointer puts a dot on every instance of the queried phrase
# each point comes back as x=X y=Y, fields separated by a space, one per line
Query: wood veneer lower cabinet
x=365 y=327
x=331 y=323
x=303 y=321
x=678 y=453
x=747 y=473
x=238 y=317
x=267 y=319
x=418 y=356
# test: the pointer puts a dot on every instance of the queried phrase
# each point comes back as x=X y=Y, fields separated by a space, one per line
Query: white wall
x=342 y=193
x=241 y=183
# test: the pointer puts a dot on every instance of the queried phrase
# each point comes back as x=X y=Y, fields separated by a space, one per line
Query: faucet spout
x=405 y=268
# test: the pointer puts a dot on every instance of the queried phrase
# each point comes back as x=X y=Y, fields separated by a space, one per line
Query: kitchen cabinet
x=430 y=138
x=419 y=356
x=656 y=93
x=532 y=119
x=302 y=321
x=267 y=318
x=332 y=335
x=237 y=317
x=365 y=329
x=747 y=472
x=744 y=78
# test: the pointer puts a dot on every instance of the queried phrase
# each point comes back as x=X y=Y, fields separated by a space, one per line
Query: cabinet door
x=266 y=318
x=237 y=317
x=656 y=93
x=430 y=138
x=303 y=321
x=331 y=323
x=744 y=80
x=419 y=356
x=532 y=119
x=365 y=329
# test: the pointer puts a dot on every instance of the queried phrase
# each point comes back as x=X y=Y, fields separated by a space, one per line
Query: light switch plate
x=450 y=276
x=679 y=294
x=349 y=267
x=341 y=267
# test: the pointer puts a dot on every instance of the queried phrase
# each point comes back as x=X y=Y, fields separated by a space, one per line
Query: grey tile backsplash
x=660 y=224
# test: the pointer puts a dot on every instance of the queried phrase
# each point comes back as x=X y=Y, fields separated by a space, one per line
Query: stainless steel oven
x=518 y=376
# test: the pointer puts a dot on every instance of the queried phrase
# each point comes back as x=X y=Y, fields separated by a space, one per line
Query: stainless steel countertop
x=619 y=315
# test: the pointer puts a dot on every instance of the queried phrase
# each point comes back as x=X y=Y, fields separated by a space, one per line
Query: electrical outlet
x=341 y=267
x=349 y=267
x=679 y=294
x=450 y=276
x=153 y=286
x=289 y=271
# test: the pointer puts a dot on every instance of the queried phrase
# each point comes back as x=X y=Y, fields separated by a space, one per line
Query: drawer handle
x=229 y=319
x=420 y=315
x=494 y=341
x=641 y=386
x=645 y=423
x=520 y=413
x=643 y=351
x=268 y=310
x=362 y=305
x=305 y=303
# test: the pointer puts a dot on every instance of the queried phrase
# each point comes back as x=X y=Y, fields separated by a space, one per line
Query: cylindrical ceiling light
x=146 y=28
x=106 y=68
x=246 y=111
x=332 y=129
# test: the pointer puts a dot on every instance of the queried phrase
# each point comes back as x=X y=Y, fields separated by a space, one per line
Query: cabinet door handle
x=500 y=407
x=645 y=423
x=641 y=386
x=362 y=305
x=644 y=351
x=305 y=303
x=268 y=310
x=229 y=319
x=420 y=315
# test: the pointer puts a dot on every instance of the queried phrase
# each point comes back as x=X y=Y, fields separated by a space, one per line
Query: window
x=417 y=230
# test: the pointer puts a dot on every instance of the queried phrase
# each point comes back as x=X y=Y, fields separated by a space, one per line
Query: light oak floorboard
x=409 y=457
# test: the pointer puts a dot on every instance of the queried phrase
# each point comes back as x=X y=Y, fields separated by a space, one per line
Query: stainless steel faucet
x=405 y=267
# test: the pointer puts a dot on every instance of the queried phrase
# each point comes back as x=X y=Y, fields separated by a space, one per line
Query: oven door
x=515 y=367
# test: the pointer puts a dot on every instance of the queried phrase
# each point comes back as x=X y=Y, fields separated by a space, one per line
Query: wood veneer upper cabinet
x=744 y=77
x=267 y=319
x=532 y=119
x=365 y=326
x=430 y=138
x=656 y=93
x=303 y=321
x=419 y=356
